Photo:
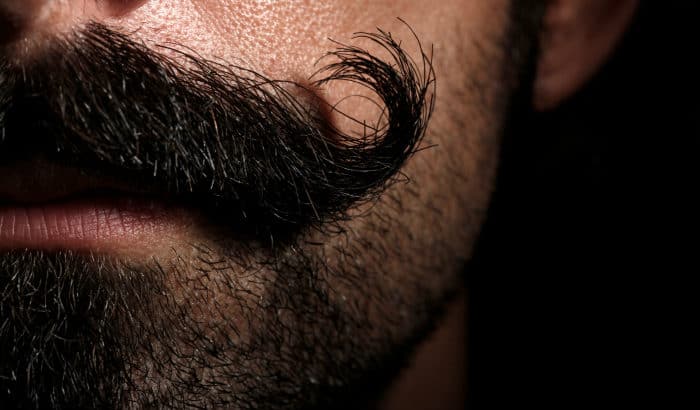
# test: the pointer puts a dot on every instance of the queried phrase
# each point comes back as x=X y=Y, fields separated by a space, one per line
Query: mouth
x=45 y=206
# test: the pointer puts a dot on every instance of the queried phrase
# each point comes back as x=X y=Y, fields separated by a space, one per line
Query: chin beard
x=86 y=331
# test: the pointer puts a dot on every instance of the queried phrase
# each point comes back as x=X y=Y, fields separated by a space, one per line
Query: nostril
x=20 y=17
x=121 y=7
x=15 y=16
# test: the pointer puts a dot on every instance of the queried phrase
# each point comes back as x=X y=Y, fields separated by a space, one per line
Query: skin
x=419 y=234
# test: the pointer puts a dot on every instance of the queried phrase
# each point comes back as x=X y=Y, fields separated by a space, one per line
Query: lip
x=49 y=206
x=93 y=224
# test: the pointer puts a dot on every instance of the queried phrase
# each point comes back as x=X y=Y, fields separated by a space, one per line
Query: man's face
x=201 y=207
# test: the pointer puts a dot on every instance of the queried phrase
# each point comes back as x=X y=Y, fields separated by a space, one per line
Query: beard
x=257 y=316
x=86 y=331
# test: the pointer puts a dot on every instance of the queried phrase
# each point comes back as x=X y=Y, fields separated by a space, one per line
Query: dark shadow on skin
x=582 y=292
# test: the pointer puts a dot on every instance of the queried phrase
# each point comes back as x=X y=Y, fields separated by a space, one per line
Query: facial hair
x=258 y=154
x=255 y=324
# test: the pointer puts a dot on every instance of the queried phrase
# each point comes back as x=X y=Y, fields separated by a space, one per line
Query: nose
x=23 y=18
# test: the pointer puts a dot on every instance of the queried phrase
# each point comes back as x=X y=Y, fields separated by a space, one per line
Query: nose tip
x=19 y=18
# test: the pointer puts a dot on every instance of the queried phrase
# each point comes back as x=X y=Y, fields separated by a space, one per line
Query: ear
x=578 y=36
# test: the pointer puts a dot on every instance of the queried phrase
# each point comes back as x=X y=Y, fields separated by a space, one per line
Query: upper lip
x=40 y=181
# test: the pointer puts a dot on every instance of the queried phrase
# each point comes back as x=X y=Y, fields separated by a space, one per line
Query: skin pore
x=199 y=314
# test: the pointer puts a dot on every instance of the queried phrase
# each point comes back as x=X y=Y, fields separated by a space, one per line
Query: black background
x=582 y=290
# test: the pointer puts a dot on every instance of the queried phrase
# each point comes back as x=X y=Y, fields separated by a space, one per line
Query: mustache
x=258 y=154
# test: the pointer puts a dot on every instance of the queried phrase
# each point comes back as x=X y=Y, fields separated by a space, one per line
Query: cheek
x=281 y=38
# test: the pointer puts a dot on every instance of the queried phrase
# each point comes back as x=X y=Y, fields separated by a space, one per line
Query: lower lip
x=84 y=224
